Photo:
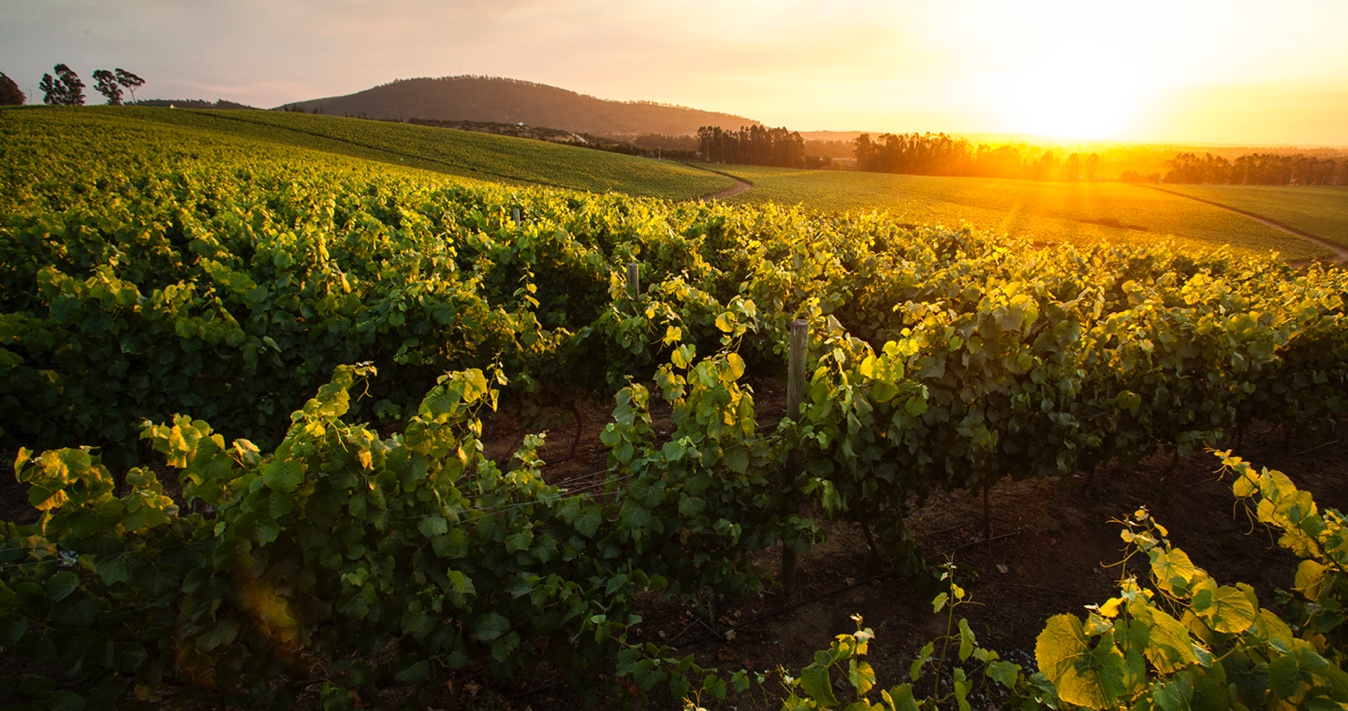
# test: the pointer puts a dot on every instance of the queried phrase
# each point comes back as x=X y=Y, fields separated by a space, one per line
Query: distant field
x=461 y=153
x=1080 y=213
x=1321 y=211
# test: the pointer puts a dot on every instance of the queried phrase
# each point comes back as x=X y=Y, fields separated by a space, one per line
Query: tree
x=10 y=94
x=106 y=84
x=129 y=81
x=1092 y=165
x=67 y=89
x=1071 y=170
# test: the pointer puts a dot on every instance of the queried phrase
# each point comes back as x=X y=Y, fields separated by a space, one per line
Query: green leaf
x=284 y=475
x=1173 y=695
x=490 y=626
x=221 y=633
x=736 y=364
x=113 y=570
x=64 y=701
x=923 y=656
x=682 y=357
x=736 y=459
x=691 y=506
x=726 y=322
x=1309 y=576
x=1169 y=648
x=861 y=675
x=61 y=585
x=962 y=688
x=1226 y=609
x=900 y=698
x=1173 y=571
x=519 y=541
x=266 y=531
x=587 y=524
x=916 y=406
x=1003 y=672
x=1292 y=675
x=414 y=673
x=460 y=583
x=966 y=640
x=814 y=679
x=1082 y=676
x=432 y=526
x=417 y=623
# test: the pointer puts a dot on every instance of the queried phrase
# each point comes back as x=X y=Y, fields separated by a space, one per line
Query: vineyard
x=247 y=388
x=1318 y=210
x=1079 y=213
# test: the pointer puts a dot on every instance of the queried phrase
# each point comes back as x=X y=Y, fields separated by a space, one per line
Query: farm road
x=1340 y=253
x=741 y=185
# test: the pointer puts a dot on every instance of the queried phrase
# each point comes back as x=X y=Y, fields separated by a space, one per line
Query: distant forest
x=939 y=154
x=1257 y=169
x=756 y=145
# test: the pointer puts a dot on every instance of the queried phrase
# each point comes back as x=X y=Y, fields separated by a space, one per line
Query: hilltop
x=499 y=100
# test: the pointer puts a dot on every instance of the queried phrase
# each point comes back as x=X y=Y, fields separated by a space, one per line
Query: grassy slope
x=36 y=142
x=1321 y=211
x=1050 y=212
x=459 y=153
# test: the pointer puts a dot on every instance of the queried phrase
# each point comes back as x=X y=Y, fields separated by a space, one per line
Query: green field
x=459 y=153
x=1080 y=213
x=1319 y=210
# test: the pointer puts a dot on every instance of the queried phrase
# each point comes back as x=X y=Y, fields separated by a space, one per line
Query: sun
x=1069 y=98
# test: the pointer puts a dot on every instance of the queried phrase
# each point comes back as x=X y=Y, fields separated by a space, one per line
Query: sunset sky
x=1195 y=71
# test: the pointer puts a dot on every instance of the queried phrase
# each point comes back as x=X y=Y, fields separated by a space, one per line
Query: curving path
x=741 y=185
x=1340 y=253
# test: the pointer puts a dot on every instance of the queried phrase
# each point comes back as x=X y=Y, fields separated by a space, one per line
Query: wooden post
x=633 y=279
x=515 y=213
x=795 y=395
x=795 y=372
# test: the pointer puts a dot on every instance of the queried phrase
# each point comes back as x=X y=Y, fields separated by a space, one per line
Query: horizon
x=1197 y=73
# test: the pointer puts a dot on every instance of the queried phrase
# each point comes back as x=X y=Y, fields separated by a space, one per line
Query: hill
x=498 y=100
x=464 y=154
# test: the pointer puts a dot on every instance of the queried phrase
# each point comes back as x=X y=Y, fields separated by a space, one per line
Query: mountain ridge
x=504 y=100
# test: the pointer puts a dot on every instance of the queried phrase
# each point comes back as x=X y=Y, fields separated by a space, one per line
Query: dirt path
x=1340 y=253
x=740 y=186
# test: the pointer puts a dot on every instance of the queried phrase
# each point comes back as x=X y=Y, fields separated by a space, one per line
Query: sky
x=1233 y=72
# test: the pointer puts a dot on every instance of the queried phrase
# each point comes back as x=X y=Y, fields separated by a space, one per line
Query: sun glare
x=1062 y=68
x=1067 y=99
